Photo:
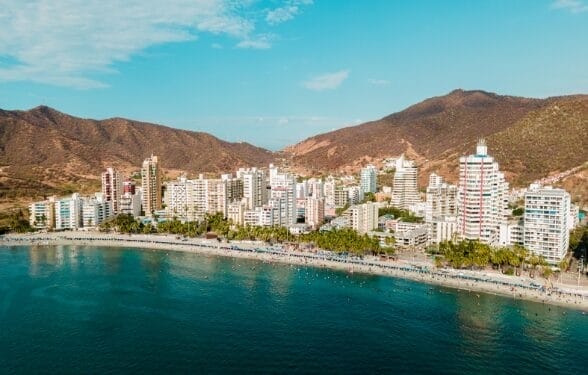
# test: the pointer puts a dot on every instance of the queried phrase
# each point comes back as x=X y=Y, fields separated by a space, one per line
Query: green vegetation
x=579 y=241
x=344 y=241
x=476 y=255
x=369 y=197
x=339 y=211
x=519 y=211
x=399 y=213
x=14 y=221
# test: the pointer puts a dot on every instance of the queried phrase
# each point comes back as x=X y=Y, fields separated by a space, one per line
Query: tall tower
x=151 y=183
x=546 y=229
x=405 y=192
x=368 y=179
x=482 y=197
x=112 y=188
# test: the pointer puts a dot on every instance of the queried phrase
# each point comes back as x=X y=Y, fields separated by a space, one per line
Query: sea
x=85 y=310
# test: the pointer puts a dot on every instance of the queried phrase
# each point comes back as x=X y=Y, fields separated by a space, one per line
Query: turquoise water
x=102 y=310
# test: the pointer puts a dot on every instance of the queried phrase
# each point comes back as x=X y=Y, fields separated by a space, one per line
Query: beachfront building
x=236 y=212
x=42 y=214
x=329 y=187
x=441 y=199
x=512 y=232
x=442 y=228
x=130 y=204
x=546 y=228
x=405 y=191
x=151 y=177
x=364 y=217
x=368 y=178
x=68 y=213
x=254 y=187
x=315 y=212
x=95 y=210
x=283 y=196
x=482 y=201
x=176 y=198
x=112 y=187
x=265 y=216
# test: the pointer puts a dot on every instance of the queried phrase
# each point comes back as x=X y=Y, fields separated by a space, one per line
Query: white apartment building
x=192 y=199
x=95 y=210
x=130 y=204
x=482 y=201
x=264 y=216
x=441 y=198
x=512 y=233
x=112 y=187
x=254 y=187
x=315 y=212
x=283 y=196
x=329 y=187
x=68 y=213
x=368 y=178
x=405 y=191
x=236 y=212
x=364 y=217
x=442 y=229
x=42 y=214
x=546 y=228
x=354 y=194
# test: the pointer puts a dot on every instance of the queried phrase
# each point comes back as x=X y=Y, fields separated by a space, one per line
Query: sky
x=273 y=72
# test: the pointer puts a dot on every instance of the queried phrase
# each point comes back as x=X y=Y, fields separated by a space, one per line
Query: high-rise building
x=151 y=184
x=95 y=210
x=546 y=228
x=42 y=214
x=482 y=201
x=405 y=192
x=283 y=196
x=364 y=217
x=68 y=213
x=254 y=187
x=315 y=211
x=441 y=199
x=130 y=204
x=368 y=178
x=112 y=187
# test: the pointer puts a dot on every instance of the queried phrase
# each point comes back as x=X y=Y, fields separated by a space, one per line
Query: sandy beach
x=485 y=281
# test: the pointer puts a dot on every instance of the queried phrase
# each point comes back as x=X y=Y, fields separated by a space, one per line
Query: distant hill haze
x=43 y=151
x=530 y=138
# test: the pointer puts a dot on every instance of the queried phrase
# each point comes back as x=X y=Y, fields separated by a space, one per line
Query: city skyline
x=273 y=73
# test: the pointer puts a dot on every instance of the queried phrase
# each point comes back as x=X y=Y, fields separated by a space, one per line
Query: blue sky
x=275 y=72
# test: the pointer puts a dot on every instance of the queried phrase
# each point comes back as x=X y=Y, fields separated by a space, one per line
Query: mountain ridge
x=45 y=151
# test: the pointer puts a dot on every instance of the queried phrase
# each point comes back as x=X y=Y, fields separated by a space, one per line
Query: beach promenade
x=485 y=281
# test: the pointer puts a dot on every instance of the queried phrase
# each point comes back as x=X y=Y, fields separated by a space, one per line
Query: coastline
x=517 y=287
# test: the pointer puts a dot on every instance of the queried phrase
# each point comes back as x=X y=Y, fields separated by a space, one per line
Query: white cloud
x=328 y=81
x=256 y=42
x=574 y=6
x=280 y=15
x=285 y=13
x=378 y=82
x=68 y=42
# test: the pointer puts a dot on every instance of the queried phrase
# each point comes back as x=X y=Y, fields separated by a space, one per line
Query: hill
x=438 y=130
x=44 y=151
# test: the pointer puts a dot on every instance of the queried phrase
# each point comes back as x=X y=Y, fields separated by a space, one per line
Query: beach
x=485 y=281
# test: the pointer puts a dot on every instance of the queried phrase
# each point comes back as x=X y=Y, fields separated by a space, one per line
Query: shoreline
x=516 y=287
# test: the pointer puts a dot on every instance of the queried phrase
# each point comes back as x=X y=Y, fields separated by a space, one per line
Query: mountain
x=530 y=138
x=44 y=151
